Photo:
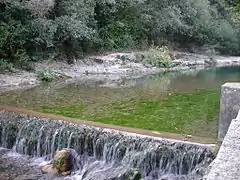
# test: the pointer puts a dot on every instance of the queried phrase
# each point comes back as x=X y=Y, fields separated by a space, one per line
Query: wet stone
x=61 y=163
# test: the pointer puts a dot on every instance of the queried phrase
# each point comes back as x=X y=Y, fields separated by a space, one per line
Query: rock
x=5 y=176
x=61 y=164
x=49 y=169
x=132 y=174
x=117 y=174
x=139 y=57
x=71 y=61
x=211 y=62
x=62 y=160
x=98 y=60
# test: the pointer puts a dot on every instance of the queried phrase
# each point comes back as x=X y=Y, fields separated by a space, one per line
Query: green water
x=175 y=102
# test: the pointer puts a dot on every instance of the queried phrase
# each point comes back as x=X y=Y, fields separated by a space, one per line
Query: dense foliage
x=33 y=30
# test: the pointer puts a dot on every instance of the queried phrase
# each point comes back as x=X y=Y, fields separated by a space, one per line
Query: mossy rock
x=62 y=160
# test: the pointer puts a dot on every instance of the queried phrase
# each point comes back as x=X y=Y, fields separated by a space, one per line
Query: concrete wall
x=229 y=106
x=226 y=166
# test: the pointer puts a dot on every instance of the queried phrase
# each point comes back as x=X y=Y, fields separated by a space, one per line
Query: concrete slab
x=229 y=106
x=226 y=166
x=178 y=137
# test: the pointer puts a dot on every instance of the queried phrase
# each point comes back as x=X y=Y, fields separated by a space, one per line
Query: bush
x=158 y=57
x=199 y=22
x=117 y=35
x=53 y=28
x=40 y=8
x=5 y=66
x=119 y=24
x=15 y=34
x=46 y=75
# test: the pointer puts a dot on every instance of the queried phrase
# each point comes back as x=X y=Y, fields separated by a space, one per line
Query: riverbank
x=111 y=66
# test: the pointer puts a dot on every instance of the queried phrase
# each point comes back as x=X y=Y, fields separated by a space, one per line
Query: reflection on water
x=103 y=90
x=205 y=79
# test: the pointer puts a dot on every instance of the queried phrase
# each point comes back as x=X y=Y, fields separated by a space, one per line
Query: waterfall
x=102 y=153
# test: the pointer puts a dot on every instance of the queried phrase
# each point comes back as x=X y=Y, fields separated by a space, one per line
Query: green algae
x=193 y=113
x=163 y=102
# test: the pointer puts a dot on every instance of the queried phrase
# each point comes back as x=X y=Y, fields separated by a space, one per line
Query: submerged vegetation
x=33 y=30
x=190 y=113
x=177 y=102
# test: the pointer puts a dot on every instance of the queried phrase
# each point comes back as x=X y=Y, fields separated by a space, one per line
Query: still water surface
x=112 y=95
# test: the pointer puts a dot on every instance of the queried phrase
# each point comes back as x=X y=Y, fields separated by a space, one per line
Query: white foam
x=40 y=161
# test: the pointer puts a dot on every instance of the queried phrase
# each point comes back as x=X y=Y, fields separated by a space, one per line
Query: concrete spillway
x=103 y=153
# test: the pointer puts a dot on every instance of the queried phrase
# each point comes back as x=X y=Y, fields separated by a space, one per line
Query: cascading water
x=104 y=154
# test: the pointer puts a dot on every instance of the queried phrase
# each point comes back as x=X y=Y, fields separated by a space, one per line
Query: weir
x=104 y=153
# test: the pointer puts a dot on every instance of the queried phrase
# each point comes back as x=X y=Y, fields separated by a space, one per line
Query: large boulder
x=61 y=164
x=62 y=160
x=49 y=169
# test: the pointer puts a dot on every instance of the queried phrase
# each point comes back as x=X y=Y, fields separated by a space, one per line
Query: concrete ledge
x=165 y=135
x=229 y=106
x=226 y=166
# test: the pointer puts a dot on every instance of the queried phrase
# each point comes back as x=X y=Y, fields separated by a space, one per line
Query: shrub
x=120 y=25
x=5 y=66
x=117 y=35
x=34 y=28
x=71 y=34
x=199 y=22
x=15 y=34
x=46 y=75
x=158 y=57
x=40 y=8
